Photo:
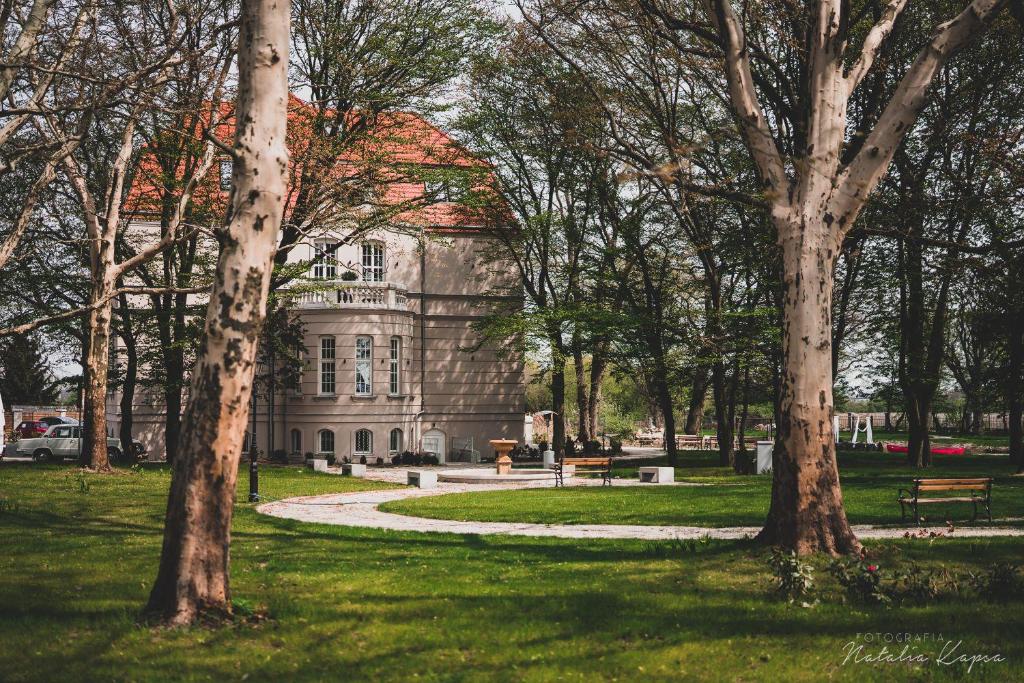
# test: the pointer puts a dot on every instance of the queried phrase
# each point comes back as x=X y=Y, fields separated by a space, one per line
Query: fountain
x=503 y=448
x=502 y=473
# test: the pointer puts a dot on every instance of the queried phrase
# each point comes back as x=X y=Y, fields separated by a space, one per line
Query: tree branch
x=873 y=43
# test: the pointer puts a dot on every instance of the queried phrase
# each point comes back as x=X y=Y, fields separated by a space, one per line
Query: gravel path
x=359 y=509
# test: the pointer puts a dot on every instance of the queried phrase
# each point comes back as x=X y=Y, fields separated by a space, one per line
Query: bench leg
x=988 y=509
x=917 y=515
x=903 y=512
x=558 y=478
x=974 y=517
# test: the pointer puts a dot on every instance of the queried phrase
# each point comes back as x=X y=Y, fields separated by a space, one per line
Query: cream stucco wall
x=468 y=395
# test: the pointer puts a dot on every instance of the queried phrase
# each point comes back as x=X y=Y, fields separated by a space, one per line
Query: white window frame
x=368 y=447
x=395 y=366
x=326 y=269
x=371 y=257
x=395 y=445
x=363 y=361
x=327 y=367
x=320 y=441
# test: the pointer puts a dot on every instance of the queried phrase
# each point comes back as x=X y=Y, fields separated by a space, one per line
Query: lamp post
x=254 y=471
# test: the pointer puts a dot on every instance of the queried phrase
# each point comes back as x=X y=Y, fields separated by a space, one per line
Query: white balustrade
x=351 y=294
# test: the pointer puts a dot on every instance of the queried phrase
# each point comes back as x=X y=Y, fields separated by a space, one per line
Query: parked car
x=57 y=420
x=31 y=429
x=65 y=441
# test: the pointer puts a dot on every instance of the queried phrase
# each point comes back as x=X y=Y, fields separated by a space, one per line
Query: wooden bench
x=690 y=442
x=924 y=489
x=602 y=466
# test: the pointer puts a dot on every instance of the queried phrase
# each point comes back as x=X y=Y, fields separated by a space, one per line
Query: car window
x=61 y=433
x=76 y=433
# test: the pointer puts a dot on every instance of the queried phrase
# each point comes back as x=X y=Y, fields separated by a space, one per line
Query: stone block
x=657 y=475
x=424 y=480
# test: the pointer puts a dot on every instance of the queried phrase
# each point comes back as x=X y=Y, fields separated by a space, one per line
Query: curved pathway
x=359 y=509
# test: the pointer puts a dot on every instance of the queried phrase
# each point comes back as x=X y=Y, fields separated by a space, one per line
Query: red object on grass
x=951 y=450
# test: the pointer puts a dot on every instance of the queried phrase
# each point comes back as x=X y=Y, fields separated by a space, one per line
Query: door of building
x=434 y=442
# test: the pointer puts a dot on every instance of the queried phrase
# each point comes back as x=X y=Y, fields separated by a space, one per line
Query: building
x=390 y=359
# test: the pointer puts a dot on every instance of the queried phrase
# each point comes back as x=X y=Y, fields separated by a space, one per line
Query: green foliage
x=861 y=580
x=794 y=578
x=25 y=376
x=999 y=581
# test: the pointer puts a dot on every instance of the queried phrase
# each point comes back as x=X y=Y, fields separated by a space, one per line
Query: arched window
x=364 y=366
x=395 y=441
x=325 y=440
x=296 y=441
x=364 y=442
x=373 y=261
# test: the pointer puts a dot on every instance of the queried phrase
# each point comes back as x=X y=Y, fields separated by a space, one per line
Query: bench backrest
x=977 y=484
x=588 y=461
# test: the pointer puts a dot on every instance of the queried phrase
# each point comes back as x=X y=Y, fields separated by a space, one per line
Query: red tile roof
x=398 y=147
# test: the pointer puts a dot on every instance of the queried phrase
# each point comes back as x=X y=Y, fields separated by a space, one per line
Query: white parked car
x=59 y=442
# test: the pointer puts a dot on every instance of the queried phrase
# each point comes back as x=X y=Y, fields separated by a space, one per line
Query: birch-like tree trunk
x=193 y=578
x=814 y=202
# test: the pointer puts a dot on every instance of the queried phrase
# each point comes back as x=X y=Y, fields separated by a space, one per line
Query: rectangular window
x=395 y=367
x=373 y=262
x=327 y=385
x=226 y=168
x=364 y=366
x=325 y=265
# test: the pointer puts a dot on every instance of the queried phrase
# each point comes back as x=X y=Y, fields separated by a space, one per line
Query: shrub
x=543 y=446
x=309 y=455
x=1000 y=581
x=616 y=445
x=362 y=459
x=279 y=455
x=917 y=585
x=430 y=459
x=677 y=546
x=408 y=457
x=396 y=459
x=861 y=581
x=380 y=460
x=794 y=579
x=349 y=275
x=330 y=458
x=591 y=447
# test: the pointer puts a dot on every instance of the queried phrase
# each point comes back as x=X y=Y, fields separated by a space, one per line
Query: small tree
x=24 y=374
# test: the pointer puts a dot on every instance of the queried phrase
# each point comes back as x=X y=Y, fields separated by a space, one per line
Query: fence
x=15 y=415
x=941 y=423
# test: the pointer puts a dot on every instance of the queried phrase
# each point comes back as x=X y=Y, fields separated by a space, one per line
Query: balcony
x=349 y=294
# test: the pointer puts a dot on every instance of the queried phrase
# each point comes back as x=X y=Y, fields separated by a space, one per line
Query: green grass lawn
x=870 y=482
x=79 y=553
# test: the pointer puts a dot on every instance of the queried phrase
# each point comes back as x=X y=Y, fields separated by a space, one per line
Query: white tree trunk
x=193 y=574
x=806 y=511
